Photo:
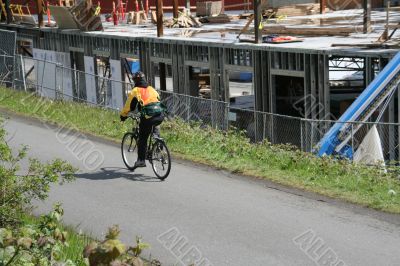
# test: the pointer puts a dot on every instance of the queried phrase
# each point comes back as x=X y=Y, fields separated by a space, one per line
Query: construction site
x=287 y=69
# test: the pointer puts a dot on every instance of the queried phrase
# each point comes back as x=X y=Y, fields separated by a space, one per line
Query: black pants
x=145 y=128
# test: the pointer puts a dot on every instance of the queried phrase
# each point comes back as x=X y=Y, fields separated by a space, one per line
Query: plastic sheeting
x=370 y=150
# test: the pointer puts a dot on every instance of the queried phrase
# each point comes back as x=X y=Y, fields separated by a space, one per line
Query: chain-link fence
x=52 y=79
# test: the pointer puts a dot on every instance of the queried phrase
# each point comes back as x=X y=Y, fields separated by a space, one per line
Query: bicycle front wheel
x=161 y=159
x=129 y=150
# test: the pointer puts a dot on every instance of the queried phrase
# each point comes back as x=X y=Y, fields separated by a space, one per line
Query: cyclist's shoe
x=156 y=136
x=140 y=163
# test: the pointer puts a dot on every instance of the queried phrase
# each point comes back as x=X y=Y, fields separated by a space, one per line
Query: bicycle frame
x=136 y=133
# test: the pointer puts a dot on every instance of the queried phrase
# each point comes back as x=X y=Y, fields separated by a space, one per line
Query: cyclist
x=147 y=100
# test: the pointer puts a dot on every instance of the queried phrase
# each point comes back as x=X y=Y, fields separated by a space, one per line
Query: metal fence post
x=264 y=125
x=301 y=134
x=352 y=138
x=62 y=83
x=189 y=104
x=227 y=107
x=312 y=136
x=23 y=71
x=255 y=126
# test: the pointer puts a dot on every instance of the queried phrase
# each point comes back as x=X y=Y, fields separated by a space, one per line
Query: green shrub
x=18 y=190
x=35 y=244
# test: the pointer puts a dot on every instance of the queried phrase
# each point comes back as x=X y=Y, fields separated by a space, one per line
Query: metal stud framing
x=264 y=62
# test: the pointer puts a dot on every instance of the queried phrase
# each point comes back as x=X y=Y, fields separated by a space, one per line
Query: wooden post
x=160 y=18
x=188 y=5
x=8 y=11
x=257 y=21
x=175 y=10
x=39 y=5
x=367 y=16
x=322 y=6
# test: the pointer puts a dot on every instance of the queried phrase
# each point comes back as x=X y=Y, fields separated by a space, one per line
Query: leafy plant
x=34 y=244
x=113 y=252
x=18 y=190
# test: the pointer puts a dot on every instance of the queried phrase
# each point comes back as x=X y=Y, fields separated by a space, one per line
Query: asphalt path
x=204 y=215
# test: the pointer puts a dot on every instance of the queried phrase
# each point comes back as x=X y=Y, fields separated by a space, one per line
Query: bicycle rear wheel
x=160 y=159
x=129 y=150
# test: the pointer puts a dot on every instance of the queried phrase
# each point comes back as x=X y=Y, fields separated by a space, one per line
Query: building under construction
x=301 y=60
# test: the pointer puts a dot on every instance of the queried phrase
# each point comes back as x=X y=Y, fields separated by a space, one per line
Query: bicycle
x=157 y=151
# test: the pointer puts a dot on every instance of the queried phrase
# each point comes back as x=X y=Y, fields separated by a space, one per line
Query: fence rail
x=52 y=79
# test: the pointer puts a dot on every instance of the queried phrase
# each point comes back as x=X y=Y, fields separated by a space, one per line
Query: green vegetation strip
x=368 y=186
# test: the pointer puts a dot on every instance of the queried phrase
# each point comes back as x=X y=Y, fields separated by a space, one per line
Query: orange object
x=48 y=13
x=121 y=10
x=114 y=15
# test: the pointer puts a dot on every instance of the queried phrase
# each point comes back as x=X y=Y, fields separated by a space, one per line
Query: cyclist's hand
x=123 y=118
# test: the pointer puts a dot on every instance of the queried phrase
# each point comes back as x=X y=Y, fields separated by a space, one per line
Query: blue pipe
x=330 y=141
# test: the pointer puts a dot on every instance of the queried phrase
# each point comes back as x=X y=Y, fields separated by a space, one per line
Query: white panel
x=64 y=75
x=45 y=72
x=90 y=80
x=116 y=74
x=49 y=81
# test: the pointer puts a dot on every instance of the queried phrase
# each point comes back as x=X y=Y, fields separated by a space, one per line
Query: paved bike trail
x=205 y=214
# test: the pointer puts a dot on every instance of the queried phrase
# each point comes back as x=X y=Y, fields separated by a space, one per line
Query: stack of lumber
x=184 y=20
x=309 y=31
x=136 y=18
x=296 y=10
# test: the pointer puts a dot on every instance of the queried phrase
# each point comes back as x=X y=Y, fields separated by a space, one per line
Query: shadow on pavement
x=116 y=172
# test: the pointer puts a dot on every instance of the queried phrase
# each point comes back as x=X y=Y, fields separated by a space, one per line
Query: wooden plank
x=338 y=31
x=63 y=18
x=246 y=27
x=170 y=8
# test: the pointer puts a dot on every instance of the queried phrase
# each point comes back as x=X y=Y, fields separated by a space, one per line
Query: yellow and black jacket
x=141 y=98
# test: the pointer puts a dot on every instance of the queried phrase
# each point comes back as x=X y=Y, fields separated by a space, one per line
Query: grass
x=367 y=186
